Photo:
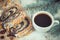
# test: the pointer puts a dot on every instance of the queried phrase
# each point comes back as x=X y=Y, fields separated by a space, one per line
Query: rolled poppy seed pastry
x=16 y=22
x=24 y=28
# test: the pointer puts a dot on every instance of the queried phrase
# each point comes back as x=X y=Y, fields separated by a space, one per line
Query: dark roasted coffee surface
x=42 y=20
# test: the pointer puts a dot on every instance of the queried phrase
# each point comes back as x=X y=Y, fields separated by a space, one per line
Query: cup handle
x=56 y=22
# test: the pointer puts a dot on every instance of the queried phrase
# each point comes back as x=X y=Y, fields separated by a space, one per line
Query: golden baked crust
x=4 y=3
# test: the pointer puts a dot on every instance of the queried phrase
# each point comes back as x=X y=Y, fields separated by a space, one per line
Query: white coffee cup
x=44 y=29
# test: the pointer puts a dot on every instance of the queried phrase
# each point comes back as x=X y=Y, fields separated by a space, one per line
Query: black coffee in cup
x=42 y=20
